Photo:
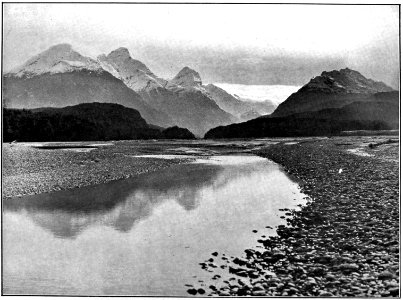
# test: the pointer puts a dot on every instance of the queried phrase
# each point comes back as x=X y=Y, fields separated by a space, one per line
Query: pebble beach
x=343 y=243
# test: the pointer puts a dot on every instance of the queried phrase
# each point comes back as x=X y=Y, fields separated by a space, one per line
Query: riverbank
x=28 y=170
x=344 y=242
x=34 y=168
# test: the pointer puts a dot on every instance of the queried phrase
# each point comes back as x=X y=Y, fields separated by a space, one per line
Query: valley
x=171 y=150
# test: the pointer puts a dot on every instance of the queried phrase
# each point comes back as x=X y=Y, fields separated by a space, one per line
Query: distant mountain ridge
x=269 y=96
x=242 y=110
x=331 y=90
x=60 y=77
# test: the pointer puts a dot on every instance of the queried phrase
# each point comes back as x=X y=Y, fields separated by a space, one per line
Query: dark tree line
x=292 y=127
x=331 y=121
x=83 y=122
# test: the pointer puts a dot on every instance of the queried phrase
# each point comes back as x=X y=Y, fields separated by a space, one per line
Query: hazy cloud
x=247 y=44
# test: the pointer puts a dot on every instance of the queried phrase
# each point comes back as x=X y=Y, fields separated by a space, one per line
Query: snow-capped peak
x=57 y=59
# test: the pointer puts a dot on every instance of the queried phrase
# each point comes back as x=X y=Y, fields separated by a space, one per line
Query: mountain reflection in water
x=119 y=204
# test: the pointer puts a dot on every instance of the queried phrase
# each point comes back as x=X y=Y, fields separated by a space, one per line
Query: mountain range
x=60 y=77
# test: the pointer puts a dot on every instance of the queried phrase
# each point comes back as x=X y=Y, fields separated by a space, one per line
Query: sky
x=262 y=44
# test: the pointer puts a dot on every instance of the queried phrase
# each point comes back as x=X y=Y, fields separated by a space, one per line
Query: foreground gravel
x=344 y=242
x=27 y=170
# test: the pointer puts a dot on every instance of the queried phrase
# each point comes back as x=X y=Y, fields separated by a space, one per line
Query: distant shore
x=345 y=241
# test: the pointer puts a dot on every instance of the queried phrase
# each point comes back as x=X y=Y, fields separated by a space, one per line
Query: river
x=144 y=235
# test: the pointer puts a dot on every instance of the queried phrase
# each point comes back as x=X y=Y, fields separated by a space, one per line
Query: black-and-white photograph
x=200 y=149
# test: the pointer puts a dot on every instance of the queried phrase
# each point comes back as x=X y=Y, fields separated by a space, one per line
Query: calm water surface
x=145 y=235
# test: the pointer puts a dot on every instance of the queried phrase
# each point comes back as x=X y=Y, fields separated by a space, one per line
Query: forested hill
x=83 y=122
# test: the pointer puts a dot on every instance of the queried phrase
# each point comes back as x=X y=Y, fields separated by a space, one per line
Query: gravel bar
x=343 y=243
x=28 y=170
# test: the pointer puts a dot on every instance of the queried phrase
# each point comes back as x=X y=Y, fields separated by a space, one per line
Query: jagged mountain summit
x=57 y=59
x=332 y=89
x=345 y=81
x=60 y=77
x=132 y=72
x=187 y=77
x=183 y=98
